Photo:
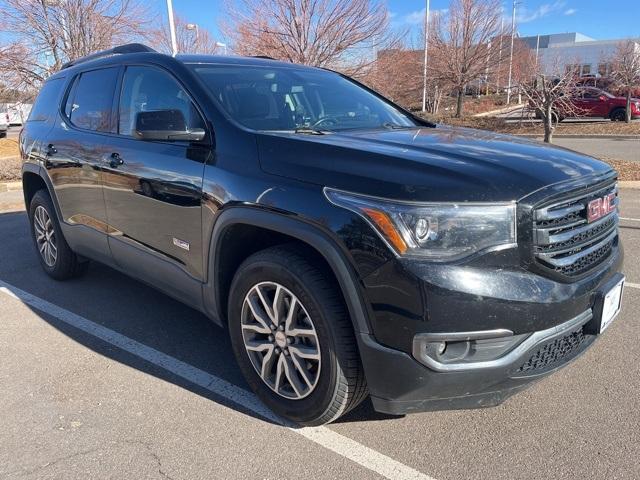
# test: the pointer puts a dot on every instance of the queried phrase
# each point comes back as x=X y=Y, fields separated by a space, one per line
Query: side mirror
x=166 y=125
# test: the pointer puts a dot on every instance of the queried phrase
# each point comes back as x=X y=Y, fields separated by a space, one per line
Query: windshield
x=281 y=98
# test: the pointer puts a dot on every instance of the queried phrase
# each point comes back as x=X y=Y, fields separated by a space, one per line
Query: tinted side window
x=47 y=102
x=148 y=89
x=92 y=100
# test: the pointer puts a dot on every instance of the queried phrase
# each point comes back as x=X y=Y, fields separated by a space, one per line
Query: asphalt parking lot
x=103 y=377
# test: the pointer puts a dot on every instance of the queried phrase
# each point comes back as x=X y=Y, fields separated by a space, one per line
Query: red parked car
x=594 y=102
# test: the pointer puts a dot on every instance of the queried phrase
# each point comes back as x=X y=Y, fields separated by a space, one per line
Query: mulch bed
x=10 y=163
x=10 y=169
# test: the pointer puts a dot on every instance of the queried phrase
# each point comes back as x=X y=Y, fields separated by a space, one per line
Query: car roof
x=161 y=58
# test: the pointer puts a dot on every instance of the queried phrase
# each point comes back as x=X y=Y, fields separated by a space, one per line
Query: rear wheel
x=56 y=257
x=293 y=338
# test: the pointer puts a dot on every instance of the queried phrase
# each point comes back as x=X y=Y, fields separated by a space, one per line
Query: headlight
x=436 y=231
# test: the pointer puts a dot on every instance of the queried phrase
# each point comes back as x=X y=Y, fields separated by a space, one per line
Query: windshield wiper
x=309 y=131
x=395 y=126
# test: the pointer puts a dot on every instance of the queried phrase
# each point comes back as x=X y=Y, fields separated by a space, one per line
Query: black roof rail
x=121 y=49
x=266 y=57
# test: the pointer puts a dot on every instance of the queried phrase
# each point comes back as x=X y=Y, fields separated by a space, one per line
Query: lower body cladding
x=473 y=368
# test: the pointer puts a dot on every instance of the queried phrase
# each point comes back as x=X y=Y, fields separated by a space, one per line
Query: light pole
x=223 y=45
x=426 y=58
x=172 y=28
x=513 y=32
x=193 y=27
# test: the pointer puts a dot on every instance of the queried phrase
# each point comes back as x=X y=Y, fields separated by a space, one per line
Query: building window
x=586 y=69
x=604 y=69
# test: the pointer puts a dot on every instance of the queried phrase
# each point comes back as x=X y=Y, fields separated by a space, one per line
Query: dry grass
x=527 y=127
x=8 y=146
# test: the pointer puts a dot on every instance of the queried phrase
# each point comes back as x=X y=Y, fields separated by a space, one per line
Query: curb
x=577 y=135
x=632 y=184
x=10 y=186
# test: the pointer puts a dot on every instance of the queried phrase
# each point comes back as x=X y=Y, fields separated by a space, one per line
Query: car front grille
x=554 y=353
x=564 y=240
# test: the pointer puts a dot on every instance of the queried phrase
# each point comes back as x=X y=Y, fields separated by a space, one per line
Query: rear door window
x=46 y=104
x=90 y=101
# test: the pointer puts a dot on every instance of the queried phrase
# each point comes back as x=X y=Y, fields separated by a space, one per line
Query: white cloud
x=525 y=15
x=570 y=11
x=417 y=17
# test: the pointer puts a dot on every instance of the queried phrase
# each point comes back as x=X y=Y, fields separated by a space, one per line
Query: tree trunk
x=628 y=110
x=459 y=105
x=547 y=119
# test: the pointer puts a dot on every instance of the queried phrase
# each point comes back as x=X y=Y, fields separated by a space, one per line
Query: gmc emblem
x=600 y=207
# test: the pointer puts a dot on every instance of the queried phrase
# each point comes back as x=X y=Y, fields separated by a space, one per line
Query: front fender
x=285 y=224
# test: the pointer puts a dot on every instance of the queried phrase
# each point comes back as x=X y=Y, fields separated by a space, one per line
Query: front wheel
x=293 y=338
x=619 y=115
x=56 y=257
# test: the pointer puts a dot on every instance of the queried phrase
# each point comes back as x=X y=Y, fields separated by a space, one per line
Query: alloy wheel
x=281 y=340
x=45 y=236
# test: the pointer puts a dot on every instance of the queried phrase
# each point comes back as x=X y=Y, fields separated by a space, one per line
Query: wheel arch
x=615 y=109
x=33 y=179
x=235 y=222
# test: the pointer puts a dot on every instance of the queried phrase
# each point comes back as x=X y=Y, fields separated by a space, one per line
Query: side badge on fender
x=181 y=244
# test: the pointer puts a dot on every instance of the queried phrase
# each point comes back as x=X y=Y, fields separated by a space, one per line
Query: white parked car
x=4 y=123
x=17 y=112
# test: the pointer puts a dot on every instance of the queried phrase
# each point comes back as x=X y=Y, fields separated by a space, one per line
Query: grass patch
x=529 y=127
x=8 y=146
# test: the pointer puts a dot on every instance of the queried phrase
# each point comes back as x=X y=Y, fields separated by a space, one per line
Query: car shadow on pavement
x=135 y=310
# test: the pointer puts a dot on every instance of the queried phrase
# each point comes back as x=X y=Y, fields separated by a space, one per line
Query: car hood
x=425 y=164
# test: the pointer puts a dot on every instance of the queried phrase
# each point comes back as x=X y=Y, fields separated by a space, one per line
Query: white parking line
x=632 y=285
x=630 y=219
x=337 y=443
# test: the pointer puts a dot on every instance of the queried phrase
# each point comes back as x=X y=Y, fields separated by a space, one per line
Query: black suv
x=350 y=248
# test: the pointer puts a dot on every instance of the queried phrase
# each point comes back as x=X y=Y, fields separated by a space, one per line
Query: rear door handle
x=115 y=160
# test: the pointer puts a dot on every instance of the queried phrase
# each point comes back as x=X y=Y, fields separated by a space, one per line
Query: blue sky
x=600 y=19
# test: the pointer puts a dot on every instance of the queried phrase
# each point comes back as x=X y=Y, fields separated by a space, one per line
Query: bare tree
x=325 y=33
x=194 y=40
x=551 y=97
x=397 y=74
x=461 y=42
x=626 y=70
x=44 y=34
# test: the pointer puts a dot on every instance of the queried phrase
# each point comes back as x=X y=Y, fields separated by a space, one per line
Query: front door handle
x=115 y=160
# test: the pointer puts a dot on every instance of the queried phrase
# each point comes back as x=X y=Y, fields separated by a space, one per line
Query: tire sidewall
x=316 y=404
x=42 y=199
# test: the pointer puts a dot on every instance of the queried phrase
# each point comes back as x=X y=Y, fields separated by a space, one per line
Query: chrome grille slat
x=565 y=242
x=575 y=232
x=568 y=260
x=546 y=214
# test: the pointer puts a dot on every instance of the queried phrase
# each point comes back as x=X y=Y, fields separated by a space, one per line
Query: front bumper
x=401 y=380
x=402 y=385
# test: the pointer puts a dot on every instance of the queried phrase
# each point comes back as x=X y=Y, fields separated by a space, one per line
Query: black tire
x=3 y=134
x=619 y=115
x=341 y=385
x=67 y=264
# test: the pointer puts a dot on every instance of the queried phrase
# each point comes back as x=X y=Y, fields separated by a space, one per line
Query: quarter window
x=148 y=89
x=47 y=101
x=90 y=102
